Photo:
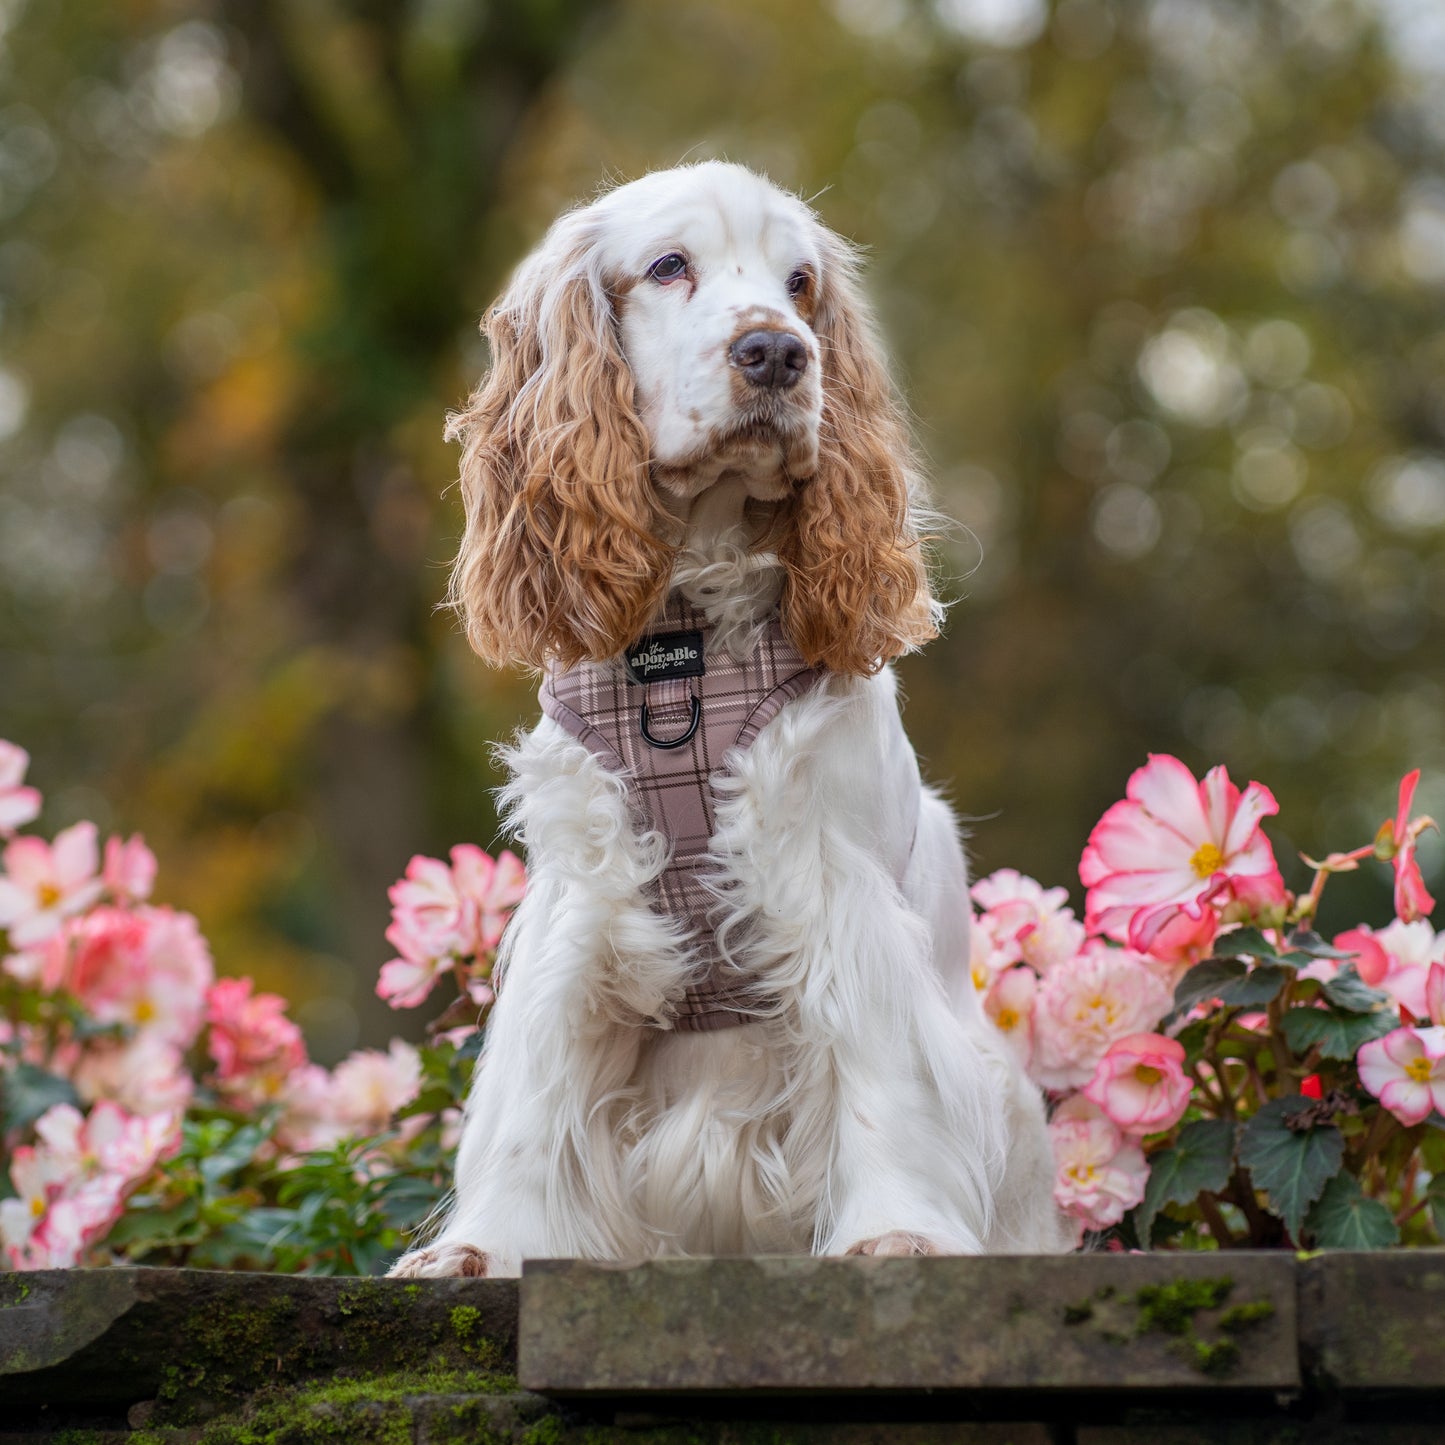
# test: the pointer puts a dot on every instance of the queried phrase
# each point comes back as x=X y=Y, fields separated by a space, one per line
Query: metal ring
x=676 y=742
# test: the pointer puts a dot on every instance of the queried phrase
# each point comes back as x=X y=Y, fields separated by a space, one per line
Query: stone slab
x=1007 y=1325
x=1374 y=1321
x=114 y=1337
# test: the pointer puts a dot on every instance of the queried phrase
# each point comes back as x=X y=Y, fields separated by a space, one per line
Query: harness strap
x=670 y=738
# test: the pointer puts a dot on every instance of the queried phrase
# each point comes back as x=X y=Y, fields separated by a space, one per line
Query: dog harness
x=666 y=717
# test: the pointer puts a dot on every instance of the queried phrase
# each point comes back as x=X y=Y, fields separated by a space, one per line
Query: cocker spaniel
x=734 y=1013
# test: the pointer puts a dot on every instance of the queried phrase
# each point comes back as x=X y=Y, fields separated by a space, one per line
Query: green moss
x=1244 y=1317
x=465 y=1319
x=547 y=1431
x=1170 y=1308
x=1078 y=1314
x=13 y=1290
x=371 y=1408
x=1218 y=1358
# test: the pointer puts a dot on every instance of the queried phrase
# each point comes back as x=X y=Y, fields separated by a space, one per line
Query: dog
x=734 y=1013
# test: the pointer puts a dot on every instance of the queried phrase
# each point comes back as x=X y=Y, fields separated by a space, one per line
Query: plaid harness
x=666 y=717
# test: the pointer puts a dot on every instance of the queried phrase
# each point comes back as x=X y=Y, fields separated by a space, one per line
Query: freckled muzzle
x=770 y=360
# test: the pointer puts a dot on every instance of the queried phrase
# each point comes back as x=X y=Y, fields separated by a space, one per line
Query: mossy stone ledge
x=1267 y=1349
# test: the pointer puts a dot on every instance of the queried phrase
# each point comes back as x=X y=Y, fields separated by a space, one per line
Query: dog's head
x=696 y=326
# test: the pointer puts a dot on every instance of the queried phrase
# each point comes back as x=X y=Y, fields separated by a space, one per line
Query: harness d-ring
x=676 y=742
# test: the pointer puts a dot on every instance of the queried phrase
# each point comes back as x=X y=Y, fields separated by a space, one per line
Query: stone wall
x=1098 y=1350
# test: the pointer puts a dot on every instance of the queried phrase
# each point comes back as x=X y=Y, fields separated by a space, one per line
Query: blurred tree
x=245 y=249
x=1165 y=285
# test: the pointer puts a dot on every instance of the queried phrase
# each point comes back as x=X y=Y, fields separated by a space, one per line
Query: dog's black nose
x=773 y=360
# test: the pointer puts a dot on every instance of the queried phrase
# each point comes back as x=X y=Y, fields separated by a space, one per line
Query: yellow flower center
x=145 y=1011
x=1420 y=1069
x=1082 y=1173
x=1207 y=860
x=1147 y=1074
x=49 y=895
x=980 y=977
x=37 y=1207
x=1007 y=1019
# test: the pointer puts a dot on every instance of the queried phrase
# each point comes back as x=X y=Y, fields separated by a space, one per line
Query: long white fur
x=874 y=1107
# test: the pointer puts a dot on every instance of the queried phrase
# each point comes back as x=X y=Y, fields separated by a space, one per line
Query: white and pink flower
x=72 y=1184
x=1396 y=958
x=493 y=886
x=1100 y=1175
x=1026 y=922
x=1010 y=1004
x=1088 y=1004
x=1140 y=1084
x=1176 y=845
x=369 y=1086
x=129 y=870
x=43 y=883
x=1398 y=841
x=255 y=1046
x=1405 y=1071
x=145 y=967
x=19 y=805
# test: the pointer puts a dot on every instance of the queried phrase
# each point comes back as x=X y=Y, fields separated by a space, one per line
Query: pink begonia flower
x=71 y=1185
x=1140 y=1083
x=1183 y=940
x=1396 y=958
x=1177 y=845
x=255 y=1046
x=1027 y=922
x=1412 y=900
x=144 y=1074
x=405 y=983
x=495 y=886
x=431 y=917
x=1405 y=1071
x=1089 y=1003
x=19 y=805
x=370 y=1086
x=1100 y=1175
x=1435 y=994
x=1010 y=1004
x=145 y=967
x=45 y=883
x=129 y=870
x=308 y=1119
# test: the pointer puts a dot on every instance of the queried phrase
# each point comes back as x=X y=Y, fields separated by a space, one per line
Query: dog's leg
x=585 y=962
x=893 y=1084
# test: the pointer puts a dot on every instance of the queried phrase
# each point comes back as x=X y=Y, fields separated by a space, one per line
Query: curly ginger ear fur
x=857 y=592
x=561 y=558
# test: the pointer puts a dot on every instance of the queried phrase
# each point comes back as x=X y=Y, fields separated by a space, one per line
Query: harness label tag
x=666 y=655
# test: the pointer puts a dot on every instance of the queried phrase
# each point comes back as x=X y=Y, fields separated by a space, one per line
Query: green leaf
x=1201 y=1159
x=1436 y=1195
x=1231 y=982
x=1244 y=943
x=1343 y=1218
x=1339 y=1034
x=29 y=1091
x=237 y=1152
x=1350 y=991
x=1303 y=940
x=1292 y=1166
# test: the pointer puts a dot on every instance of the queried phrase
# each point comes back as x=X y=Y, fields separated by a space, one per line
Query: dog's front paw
x=442 y=1261
x=895 y=1242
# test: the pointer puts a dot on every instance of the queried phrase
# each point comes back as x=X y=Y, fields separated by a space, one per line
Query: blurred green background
x=1164 y=283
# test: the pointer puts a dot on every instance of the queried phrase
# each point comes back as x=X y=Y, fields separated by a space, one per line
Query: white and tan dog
x=687 y=404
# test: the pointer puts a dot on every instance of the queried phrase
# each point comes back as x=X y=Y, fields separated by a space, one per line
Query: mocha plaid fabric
x=696 y=705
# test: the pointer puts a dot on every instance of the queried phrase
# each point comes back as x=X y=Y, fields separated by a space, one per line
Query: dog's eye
x=669 y=268
x=799 y=282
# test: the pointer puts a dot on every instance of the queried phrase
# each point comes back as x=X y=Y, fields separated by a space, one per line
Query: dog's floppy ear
x=857 y=592
x=561 y=558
